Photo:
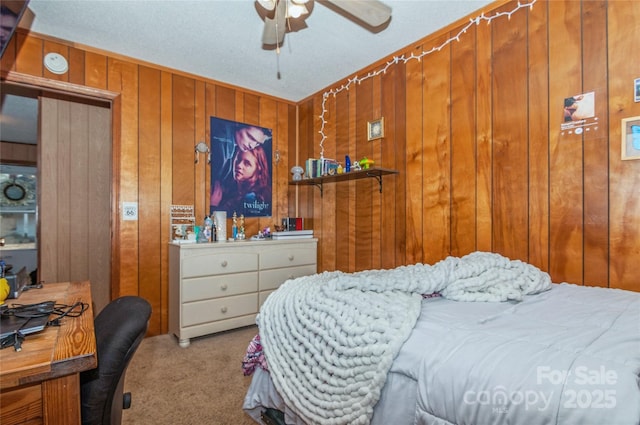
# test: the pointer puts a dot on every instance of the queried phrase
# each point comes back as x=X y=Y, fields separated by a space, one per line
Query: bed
x=476 y=340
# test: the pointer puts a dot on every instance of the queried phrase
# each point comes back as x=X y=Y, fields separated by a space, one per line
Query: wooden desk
x=41 y=383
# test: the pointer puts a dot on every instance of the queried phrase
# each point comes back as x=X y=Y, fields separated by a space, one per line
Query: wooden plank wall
x=18 y=153
x=160 y=115
x=474 y=129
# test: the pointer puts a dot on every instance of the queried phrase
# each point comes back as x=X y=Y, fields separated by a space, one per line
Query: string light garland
x=402 y=59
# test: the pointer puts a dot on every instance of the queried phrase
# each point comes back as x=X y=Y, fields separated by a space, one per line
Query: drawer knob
x=223 y=286
x=223 y=309
x=224 y=263
x=291 y=257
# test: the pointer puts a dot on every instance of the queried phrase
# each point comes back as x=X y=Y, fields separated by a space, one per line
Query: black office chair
x=120 y=327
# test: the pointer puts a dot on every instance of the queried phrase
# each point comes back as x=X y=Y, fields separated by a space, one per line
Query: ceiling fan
x=283 y=16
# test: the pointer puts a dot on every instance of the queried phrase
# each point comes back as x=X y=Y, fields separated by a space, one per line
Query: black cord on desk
x=28 y=311
x=15 y=339
x=74 y=310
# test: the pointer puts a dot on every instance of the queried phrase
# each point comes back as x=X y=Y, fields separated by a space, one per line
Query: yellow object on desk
x=4 y=289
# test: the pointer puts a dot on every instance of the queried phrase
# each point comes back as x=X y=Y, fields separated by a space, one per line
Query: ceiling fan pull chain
x=278 y=65
x=277 y=51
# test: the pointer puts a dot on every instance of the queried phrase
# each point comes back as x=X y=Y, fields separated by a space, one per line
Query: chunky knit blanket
x=329 y=339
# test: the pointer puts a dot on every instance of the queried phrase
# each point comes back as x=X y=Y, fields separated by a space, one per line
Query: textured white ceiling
x=221 y=40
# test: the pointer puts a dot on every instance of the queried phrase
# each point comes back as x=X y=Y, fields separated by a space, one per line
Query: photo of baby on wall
x=240 y=168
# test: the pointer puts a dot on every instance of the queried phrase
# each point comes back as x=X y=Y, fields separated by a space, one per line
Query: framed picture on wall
x=631 y=138
x=240 y=168
x=375 y=129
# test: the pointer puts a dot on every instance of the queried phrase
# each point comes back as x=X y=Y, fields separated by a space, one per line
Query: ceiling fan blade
x=371 y=12
x=274 y=29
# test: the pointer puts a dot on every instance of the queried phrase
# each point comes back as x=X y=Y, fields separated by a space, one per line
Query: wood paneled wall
x=159 y=116
x=18 y=153
x=474 y=129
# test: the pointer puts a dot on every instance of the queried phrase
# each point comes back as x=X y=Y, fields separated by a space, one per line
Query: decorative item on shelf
x=297 y=171
x=207 y=230
x=293 y=234
x=366 y=162
x=339 y=170
x=347 y=164
x=202 y=147
x=291 y=223
x=356 y=166
x=329 y=167
x=241 y=234
x=182 y=224
x=220 y=221
x=311 y=168
x=262 y=234
x=234 y=226
x=375 y=129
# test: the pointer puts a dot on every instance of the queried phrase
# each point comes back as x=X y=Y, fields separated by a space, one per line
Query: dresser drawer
x=201 y=288
x=219 y=309
x=272 y=279
x=223 y=263
x=293 y=255
x=214 y=287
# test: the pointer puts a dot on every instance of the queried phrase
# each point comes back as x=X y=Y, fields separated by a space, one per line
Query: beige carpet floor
x=200 y=384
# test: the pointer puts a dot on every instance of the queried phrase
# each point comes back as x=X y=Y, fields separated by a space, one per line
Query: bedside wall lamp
x=202 y=147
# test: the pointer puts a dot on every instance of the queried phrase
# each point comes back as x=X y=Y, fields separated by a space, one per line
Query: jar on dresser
x=219 y=286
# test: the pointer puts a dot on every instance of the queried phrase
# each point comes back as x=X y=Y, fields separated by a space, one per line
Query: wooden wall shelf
x=373 y=172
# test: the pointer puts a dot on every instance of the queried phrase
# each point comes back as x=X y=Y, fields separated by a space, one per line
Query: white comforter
x=330 y=339
x=570 y=355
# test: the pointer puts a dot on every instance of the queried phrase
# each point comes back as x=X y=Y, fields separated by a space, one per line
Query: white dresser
x=219 y=286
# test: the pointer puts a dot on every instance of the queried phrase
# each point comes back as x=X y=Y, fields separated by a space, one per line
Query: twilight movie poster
x=240 y=168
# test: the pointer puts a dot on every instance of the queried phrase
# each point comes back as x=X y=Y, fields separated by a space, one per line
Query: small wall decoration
x=183 y=223
x=579 y=113
x=375 y=129
x=240 y=168
x=18 y=186
x=636 y=89
x=631 y=138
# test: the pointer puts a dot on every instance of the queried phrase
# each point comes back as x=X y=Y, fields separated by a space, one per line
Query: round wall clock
x=14 y=192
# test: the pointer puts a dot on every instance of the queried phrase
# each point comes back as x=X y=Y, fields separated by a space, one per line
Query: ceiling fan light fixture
x=296 y=10
x=267 y=4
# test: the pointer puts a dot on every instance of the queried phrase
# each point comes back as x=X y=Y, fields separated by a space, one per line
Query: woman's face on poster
x=245 y=166
x=248 y=138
